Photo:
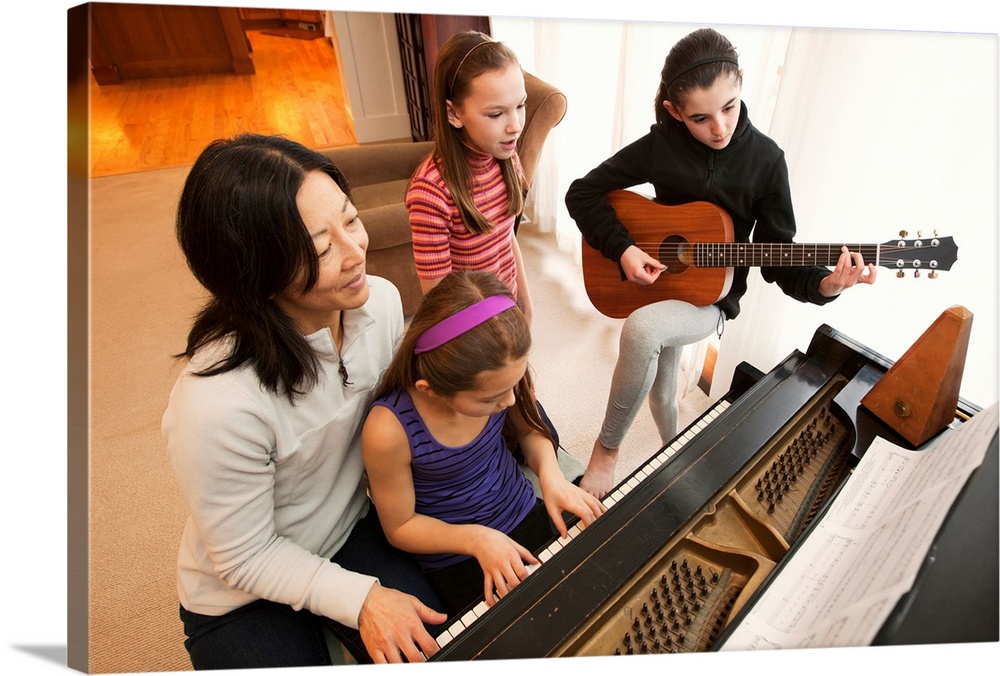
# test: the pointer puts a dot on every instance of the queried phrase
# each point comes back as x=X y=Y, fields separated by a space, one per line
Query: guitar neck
x=742 y=255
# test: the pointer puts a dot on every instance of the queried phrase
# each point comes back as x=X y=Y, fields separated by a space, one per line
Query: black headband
x=482 y=39
x=698 y=64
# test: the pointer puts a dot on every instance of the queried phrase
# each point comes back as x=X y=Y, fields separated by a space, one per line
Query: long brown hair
x=455 y=366
x=465 y=56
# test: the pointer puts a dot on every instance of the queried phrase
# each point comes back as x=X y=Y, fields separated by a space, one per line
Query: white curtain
x=887 y=131
x=883 y=131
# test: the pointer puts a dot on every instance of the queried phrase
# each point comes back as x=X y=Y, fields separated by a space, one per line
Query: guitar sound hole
x=674 y=252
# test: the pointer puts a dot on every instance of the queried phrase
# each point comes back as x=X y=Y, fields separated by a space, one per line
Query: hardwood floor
x=165 y=122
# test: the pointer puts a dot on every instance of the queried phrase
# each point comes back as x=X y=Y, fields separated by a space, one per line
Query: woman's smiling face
x=341 y=243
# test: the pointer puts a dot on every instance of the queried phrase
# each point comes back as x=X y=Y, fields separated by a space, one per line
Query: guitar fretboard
x=741 y=255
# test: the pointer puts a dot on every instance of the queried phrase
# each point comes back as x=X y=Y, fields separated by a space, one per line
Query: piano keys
x=692 y=535
x=618 y=493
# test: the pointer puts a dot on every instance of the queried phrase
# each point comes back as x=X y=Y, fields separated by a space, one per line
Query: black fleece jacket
x=748 y=178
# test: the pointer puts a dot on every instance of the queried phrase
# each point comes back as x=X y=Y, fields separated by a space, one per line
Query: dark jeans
x=268 y=634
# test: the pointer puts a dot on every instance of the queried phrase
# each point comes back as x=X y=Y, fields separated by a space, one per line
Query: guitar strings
x=852 y=247
x=757 y=249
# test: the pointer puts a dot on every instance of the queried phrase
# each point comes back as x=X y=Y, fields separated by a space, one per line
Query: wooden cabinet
x=130 y=41
x=308 y=15
x=252 y=14
x=264 y=19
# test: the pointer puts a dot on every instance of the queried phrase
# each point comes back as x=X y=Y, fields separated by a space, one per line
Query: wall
x=372 y=74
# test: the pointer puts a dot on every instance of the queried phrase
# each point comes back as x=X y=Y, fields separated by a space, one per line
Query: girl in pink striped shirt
x=466 y=196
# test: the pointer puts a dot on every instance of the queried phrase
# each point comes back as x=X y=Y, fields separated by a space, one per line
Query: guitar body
x=661 y=231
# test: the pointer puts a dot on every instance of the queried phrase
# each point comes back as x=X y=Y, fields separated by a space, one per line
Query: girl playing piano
x=439 y=442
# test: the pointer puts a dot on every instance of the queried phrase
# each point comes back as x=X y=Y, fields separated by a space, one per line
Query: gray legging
x=652 y=340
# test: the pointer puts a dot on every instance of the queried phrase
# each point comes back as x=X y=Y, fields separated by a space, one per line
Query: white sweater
x=273 y=488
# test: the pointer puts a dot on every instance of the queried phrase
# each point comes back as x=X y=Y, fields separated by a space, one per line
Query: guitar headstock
x=930 y=254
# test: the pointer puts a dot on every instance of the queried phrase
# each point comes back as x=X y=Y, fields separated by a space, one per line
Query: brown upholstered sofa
x=379 y=173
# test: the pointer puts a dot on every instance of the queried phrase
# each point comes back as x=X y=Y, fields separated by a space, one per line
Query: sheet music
x=841 y=584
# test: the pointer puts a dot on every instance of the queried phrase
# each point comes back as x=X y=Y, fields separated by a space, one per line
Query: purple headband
x=702 y=62
x=460 y=322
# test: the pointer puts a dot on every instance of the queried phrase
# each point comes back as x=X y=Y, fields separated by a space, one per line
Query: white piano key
x=468 y=618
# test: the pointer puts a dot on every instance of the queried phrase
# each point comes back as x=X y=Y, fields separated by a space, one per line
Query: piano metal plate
x=683 y=598
x=561 y=597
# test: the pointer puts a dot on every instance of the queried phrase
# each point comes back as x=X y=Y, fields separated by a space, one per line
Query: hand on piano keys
x=616 y=495
x=504 y=560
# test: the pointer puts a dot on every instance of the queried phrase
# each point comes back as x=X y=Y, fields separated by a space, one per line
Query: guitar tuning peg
x=903 y=233
x=933 y=275
x=916 y=273
x=900 y=274
x=935 y=232
x=920 y=234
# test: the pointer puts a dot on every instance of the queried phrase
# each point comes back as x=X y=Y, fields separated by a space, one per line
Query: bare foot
x=600 y=474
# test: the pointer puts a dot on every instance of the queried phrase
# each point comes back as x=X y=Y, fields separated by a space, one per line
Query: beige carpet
x=142 y=300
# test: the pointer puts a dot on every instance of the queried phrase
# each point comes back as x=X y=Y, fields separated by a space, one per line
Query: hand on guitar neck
x=641 y=268
x=850 y=270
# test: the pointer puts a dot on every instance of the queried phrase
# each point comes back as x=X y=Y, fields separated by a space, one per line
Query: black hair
x=244 y=240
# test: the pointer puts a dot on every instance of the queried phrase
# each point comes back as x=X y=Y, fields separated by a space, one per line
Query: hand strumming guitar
x=640 y=267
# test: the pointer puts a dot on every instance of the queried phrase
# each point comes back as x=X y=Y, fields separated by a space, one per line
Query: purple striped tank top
x=478 y=483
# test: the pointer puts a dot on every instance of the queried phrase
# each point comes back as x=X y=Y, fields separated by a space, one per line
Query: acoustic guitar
x=695 y=242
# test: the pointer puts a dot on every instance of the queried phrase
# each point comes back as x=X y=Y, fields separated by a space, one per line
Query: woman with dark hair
x=263 y=425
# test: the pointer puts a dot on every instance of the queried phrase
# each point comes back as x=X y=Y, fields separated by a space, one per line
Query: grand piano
x=693 y=537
